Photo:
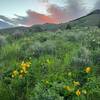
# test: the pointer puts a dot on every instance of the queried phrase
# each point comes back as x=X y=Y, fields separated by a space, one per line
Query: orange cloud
x=37 y=18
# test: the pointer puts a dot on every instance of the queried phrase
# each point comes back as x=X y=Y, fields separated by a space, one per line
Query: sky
x=30 y=12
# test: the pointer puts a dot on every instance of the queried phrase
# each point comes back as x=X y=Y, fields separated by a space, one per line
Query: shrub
x=3 y=41
x=43 y=91
x=37 y=28
x=5 y=92
x=96 y=56
x=38 y=48
x=83 y=58
x=17 y=34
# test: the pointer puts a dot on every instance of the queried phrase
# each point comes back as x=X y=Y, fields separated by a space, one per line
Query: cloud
x=5 y=18
x=57 y=14
x=44 y=1
x=97 y=5
x=33 y=18
x=37 y=18
x=72 y=10
x=75 y=8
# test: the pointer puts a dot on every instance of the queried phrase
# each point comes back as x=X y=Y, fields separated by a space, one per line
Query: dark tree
x=98 y=25
x=68 y=27
x=37 y=29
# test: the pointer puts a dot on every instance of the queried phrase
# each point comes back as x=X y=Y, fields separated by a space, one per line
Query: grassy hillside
x=59 y=65
x=92 y=19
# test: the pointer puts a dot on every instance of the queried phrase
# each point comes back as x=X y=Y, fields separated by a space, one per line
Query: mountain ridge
x=91 y=19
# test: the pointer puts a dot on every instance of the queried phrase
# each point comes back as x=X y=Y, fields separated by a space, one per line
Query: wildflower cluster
x=75 y=87
x=23 y=69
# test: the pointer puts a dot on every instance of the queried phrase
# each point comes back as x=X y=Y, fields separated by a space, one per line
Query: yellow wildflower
x=14 y=73
x=68 y=88
x=78 y=93
x=25 y=71
x=76 y=83
x=88 y=69
x=25 y=65
x=21 y=71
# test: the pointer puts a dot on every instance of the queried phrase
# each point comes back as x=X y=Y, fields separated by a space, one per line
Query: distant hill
x=5 y=22
x=92 y=19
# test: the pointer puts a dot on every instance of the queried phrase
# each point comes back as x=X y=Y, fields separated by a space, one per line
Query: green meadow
x=50 y=65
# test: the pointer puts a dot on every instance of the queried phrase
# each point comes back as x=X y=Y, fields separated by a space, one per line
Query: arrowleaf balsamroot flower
x=15 y=73
x=78 y=92
x=76 y=83
x=68 y=88
x=25 y=65
x=88 y=69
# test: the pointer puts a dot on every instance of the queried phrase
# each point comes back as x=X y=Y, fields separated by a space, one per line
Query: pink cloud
x=37 y=18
